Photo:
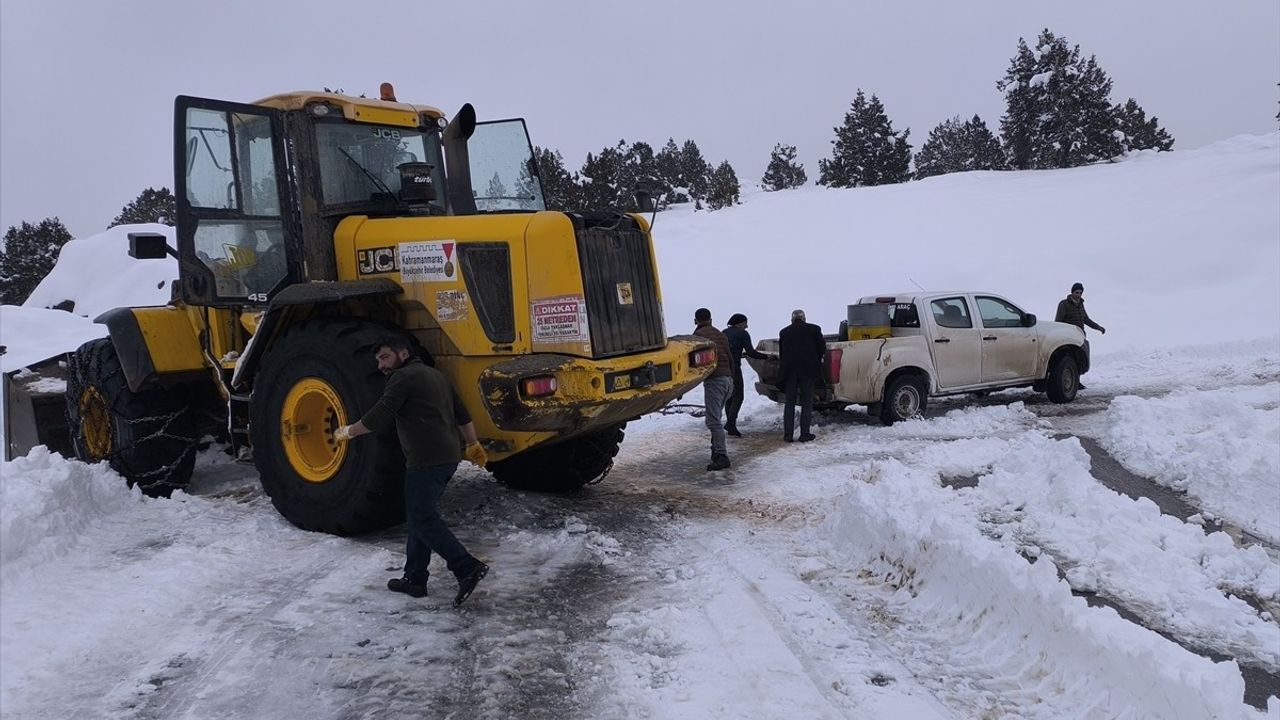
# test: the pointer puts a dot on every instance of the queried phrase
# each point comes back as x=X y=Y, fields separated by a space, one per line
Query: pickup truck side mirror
x=1028 y=320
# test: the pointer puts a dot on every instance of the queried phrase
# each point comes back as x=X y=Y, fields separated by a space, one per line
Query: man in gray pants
x=716 y=389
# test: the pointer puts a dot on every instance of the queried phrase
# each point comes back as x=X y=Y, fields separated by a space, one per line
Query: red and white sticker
x=560 y=319
x=428 y=261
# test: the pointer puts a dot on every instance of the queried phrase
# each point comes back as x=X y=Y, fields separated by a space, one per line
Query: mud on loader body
x=313 y=225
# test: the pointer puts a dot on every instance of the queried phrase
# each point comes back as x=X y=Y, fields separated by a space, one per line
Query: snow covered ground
x=974 y=563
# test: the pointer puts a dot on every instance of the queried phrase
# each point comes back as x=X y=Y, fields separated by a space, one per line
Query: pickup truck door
x=1009 y=350
x=956 y=342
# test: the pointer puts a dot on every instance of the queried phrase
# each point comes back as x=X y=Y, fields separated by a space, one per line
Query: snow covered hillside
x=1002 y=557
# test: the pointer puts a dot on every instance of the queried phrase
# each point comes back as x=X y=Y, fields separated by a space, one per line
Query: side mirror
x=149 y=246
x=1028 y=320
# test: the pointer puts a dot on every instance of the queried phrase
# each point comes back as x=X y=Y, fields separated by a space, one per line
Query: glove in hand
x=343 y=433
x=475 y=454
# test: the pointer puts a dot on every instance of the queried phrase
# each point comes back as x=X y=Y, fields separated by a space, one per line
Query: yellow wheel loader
x=313 y=225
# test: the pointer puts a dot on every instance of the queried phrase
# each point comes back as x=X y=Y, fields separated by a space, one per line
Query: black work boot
x=718 y=462
x=402 y=585
x=732 y=429
x=467 y=583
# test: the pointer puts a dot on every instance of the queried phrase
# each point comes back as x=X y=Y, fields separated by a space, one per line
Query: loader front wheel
x=149 y=437
x=563 y=467
x=319 y=375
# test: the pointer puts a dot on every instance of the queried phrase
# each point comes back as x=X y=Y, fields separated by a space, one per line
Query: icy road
x=1003 y=557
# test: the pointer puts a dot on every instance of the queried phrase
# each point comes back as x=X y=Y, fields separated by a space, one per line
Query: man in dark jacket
x=800 y=348
x=739 y=345
x=427 y=415
x=716 y=388
x=1071 y=310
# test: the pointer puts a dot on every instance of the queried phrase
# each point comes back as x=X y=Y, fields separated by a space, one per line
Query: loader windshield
x=360 y=163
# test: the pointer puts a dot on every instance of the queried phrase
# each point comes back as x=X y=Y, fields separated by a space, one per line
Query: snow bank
x=993 y=607
x=97 y=274
x=46 y=502
x=1166 y=246
x=33 y=335
x=1220 y=446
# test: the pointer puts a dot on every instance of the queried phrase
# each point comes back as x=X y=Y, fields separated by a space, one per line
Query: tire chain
x=75 y=424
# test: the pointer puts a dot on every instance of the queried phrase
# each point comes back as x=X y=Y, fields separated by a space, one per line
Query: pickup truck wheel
x=149 y=437
x=1063 y=380
x=904 y=398
x=563 y=467
x=321 y=374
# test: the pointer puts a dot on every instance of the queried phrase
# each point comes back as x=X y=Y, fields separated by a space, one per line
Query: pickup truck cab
x=936 y=344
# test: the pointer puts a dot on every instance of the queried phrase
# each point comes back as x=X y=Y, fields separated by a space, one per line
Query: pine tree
x=151 y=206
x=723 y=188
x=955 y=146
x=639 y=169
x=560 y=189
x=667 y=164
x=496 y=189
x=695 y=172
x=1139 y=132
x=783 y=171
x=866 y=150
x=29 y=253
x=601 y=177
x=1058 y=111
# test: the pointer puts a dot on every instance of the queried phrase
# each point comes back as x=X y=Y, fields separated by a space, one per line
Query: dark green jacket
x=1072 y=312
x=425 y=411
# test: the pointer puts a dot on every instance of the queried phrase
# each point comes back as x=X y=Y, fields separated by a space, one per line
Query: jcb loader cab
x=311 y=226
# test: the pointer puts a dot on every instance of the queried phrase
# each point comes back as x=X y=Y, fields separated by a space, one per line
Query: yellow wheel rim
x=95 y=423
x=311 y=412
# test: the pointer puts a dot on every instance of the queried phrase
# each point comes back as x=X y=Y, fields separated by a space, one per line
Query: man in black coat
x=800 y=348
x=739 y=345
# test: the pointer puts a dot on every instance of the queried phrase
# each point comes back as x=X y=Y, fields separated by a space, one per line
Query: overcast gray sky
x=87 y=88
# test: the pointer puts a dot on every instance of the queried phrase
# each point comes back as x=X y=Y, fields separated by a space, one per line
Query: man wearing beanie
x=1071 y=311
x=739 y=345
x=716 y=388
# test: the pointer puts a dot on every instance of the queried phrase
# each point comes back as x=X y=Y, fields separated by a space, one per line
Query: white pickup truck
x=934 y=344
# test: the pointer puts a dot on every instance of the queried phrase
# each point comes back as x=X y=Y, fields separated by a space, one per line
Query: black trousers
x=427 y=529
x=734 y=404
x=802 y=387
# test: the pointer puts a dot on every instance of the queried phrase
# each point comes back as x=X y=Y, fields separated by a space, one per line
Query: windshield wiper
x=374 y=178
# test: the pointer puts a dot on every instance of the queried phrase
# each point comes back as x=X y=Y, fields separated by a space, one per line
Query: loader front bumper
x=590 y=394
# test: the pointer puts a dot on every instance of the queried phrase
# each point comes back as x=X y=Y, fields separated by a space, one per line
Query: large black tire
x=905 y=397
x=318 y=375
x=1063 y=381
x=148 y=437
x=563 y=467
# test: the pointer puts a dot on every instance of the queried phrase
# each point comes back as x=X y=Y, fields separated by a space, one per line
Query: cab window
x=503 y=171
x=952 y=313
x=231 y=167
x=997 y=313
x=360 y=163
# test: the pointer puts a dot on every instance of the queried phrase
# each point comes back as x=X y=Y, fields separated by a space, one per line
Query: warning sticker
x=427 y=261
x=451 y=305
x=560 y=319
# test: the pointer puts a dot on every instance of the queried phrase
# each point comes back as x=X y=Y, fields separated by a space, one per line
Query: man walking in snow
x=800 y=348
x=427 y=415
x=1071 y=311
x=716 y=388
x=739 y=345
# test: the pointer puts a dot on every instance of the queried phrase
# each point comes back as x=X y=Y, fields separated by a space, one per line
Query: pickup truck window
x=952 y=313
x=996 y=313
x=904 y=315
